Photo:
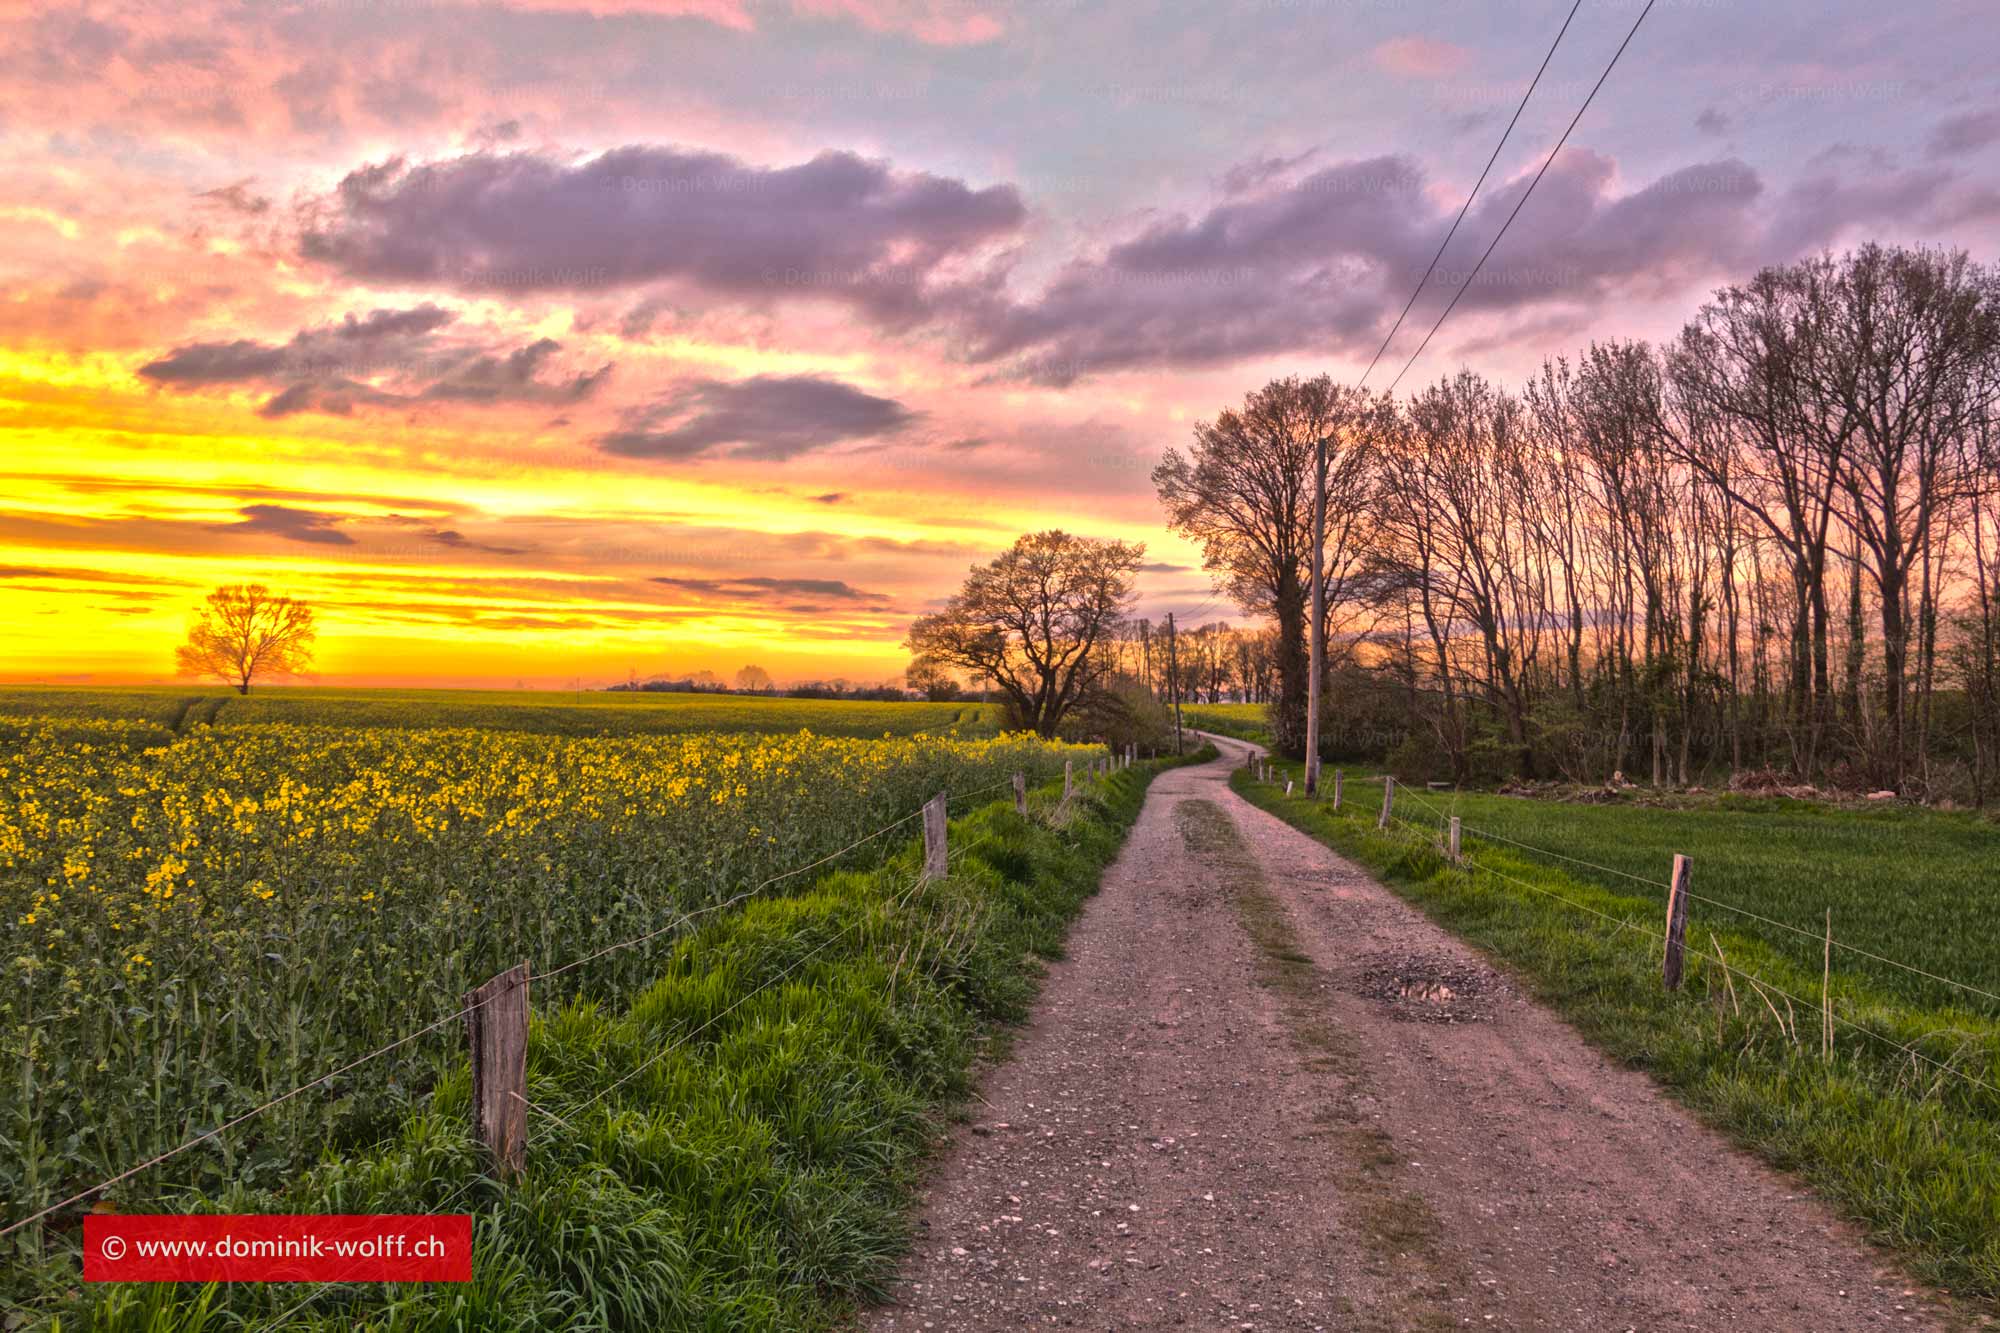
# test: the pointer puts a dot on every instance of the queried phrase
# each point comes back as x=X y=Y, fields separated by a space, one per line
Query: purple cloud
x=771 y=417
x=299 y=525
x=1967 y=132
x=839 y=227
x=759 y=588
x=513 y=377
x=333 y=368
x=1322 y=261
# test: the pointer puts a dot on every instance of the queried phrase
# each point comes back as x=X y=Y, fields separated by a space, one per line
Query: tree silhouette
x=244 y=632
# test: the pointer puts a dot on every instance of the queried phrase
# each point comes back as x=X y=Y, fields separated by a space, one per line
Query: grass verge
x=1900 y=1126
x=737 y=1149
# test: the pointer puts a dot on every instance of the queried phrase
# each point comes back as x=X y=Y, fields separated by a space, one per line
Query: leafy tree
x=244 y=632
x=1039 y=622
x=932 y=681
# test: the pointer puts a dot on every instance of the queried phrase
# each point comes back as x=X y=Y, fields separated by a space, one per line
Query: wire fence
x=679 y=925
x=1429 y=833
x=900 y=900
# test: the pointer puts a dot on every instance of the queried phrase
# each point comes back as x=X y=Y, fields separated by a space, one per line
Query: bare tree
x=1245 y=493
x=1914 y=336
x=754 y=680
x=1039 y=621
x=244 y=632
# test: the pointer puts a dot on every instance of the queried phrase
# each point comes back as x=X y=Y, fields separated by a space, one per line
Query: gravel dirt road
x=1264 y=1093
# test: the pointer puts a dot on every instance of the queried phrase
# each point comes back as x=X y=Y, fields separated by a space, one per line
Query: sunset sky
x=558 y=339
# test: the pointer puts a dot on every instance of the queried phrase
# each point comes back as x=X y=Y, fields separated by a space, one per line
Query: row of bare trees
x=1773 y=542
x=1212 y=663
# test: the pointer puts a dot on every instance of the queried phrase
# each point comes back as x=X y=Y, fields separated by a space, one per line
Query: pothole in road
x=1427 y=987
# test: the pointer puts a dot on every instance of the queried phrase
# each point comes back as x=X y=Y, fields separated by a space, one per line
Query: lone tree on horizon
x=244 y=632
x=1038 y=622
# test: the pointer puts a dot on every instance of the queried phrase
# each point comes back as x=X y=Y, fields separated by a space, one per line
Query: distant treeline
x=809 y=689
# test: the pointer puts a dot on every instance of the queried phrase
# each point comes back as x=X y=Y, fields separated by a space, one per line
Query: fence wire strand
x=1470 y=830
x=679 y=923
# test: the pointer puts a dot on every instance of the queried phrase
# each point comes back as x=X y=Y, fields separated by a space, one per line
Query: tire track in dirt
x=1223 y=1116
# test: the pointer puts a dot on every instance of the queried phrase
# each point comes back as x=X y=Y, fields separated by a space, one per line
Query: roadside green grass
x=553 y=712
x=1918 y=886
x=1901 y=1126
x=734 y=1150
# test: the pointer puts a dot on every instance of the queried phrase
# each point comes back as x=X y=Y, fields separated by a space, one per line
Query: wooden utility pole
x=1174 y=681
x=1315 y=636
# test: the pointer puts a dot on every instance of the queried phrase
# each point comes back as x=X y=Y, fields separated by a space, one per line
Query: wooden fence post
x=1336 y=789
x=1069 y=778
x=497 y=1030
x=936 y=863
x=1388 y=801
x=1677 y=920
x=1452 y=846
x=1020 y=793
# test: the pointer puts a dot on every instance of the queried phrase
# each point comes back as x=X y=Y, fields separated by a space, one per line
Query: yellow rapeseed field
x=197 y=923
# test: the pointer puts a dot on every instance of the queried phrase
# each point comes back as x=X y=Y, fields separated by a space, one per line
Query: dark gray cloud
x=770 y=417
x=457 y=540
x=1967 y=132
x=216 y=363
x=381 y=339
x=839 y=227
x=388 y=357
x=832 y=498
x=299 y=525
x=58 y=574
x=238 y=197
x=818 y=593
x=515 y=376
x=1712 y=120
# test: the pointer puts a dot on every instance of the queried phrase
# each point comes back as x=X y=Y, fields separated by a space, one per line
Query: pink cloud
x=725 y=13
x=937 y=22
x=1421 y=57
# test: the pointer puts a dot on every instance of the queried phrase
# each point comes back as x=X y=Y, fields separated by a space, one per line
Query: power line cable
x=1418 y=289
x=1525 y=195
